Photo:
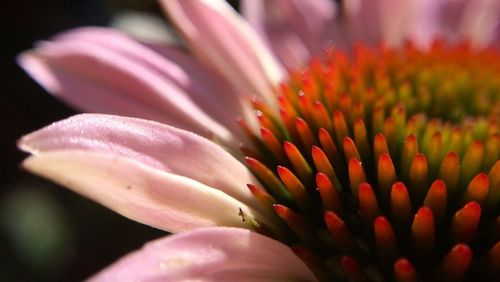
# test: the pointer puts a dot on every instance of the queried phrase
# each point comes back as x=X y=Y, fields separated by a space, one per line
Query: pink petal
x=218 y=35
x=425 y=27
x=395 y=20
x=205 y=87
x=361 y=20
x=148 y=195
x=480 y=21
x=153 y=144
x=113 y=74
x=212 y=254
x=376 y=21
x=454 y=20
x=294 y=29
x=372 y=21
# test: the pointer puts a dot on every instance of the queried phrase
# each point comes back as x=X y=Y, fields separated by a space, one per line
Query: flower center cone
x=384 y=165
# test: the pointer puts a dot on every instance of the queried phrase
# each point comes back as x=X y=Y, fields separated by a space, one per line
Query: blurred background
x=46 y=232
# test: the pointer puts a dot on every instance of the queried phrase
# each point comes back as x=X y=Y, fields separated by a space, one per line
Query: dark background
x=46 y=232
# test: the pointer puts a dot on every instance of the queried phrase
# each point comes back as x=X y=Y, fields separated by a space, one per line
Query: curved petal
x=372 y=21
x=449 y=14
x=453 y=20
x=395 y=19
x=204 y=86
x=157 y=145
x=218 y=35
x=425 y=26
x=294 y=29
x=388 y=21
x=225 y=103
x=148 y=195
x=361 y=20
x=96 y=77
x=211 y=254
x=480 y=21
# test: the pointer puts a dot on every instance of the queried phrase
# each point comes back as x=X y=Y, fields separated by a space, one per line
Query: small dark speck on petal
x=242 y=214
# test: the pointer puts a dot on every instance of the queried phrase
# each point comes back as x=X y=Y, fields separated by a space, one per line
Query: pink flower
x=175 y=180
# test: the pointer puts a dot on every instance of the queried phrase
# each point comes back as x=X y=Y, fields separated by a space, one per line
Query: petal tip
x=35 y=66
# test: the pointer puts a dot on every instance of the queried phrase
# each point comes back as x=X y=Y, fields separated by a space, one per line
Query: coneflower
x=385 y=165
x=376 y=164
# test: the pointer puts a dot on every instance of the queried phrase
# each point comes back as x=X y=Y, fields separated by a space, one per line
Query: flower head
x=376 y=163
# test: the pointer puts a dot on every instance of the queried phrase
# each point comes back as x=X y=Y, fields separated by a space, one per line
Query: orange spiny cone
x=389 y=163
